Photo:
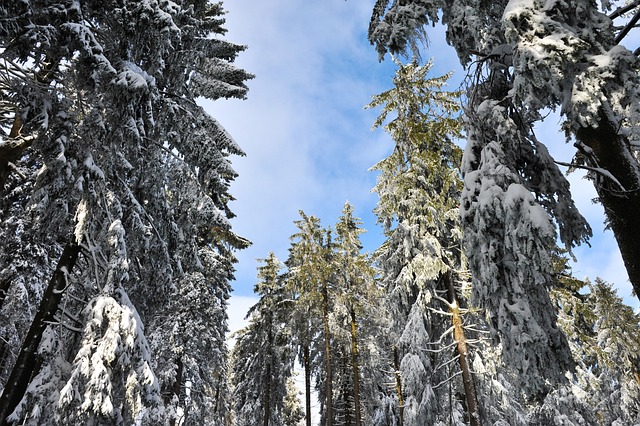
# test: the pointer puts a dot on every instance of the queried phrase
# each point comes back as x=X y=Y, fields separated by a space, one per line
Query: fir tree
x=421 y=262
x=113 y=173
x=263 y=355
x=309 y=278
x=513 y=190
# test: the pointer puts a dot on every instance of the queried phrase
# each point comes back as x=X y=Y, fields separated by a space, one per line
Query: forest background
x=308 y=137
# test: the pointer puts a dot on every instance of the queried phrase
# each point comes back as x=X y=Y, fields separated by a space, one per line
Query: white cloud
x=303 y=126
x=237 y=310
x=307 y=136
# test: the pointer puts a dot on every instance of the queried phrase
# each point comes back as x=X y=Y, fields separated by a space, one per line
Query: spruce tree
x=263 y=354
x=515 y=200
x=115 y=187
x=422 y=265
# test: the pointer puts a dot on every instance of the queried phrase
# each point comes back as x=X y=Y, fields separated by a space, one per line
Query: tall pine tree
x=114 y=187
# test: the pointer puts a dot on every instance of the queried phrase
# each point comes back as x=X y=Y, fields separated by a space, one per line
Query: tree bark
x=327 y=352
x=396 y=368
x=175 y=389
x=267 y=391
x=461 y=347
x=25 y=365
x=613 y=153
x=306 y=359
x=356 y=367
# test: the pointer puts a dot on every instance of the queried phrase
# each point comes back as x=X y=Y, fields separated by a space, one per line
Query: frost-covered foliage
x=357 y=300
x=603 y=335
x=263 y=354
x=292 y=413
x=515 y=200
x=103 y=148
x=566 y=55
x=421 y=263
x=335 y=319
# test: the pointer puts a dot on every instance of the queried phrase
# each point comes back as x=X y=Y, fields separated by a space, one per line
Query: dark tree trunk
x=26 y=362
x=327 y=352
x=307 y=383
x=612 y=152
x=355 y=365
x=267 y=390
x=175 y=389
x=396 y=368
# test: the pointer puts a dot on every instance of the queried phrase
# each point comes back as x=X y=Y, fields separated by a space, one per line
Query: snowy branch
x=598 y=170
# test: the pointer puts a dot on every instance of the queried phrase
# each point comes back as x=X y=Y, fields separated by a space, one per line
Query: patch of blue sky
x=308 y=137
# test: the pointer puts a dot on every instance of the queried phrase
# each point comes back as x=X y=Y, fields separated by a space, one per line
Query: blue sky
x=308 y=138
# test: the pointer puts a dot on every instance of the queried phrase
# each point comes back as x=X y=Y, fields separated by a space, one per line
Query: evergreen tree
x=513 y=191
x=114 y=187
x=421 y=262
x=538 y=56
x=309 y=278
x=356 y=302
x=603 y=335
x=263 y=356
x=292 y=413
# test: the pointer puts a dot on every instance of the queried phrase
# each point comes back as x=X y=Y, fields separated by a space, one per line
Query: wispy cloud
x=308 y=138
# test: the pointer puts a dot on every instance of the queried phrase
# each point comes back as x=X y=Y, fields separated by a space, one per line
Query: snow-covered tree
x=310 y=277
x=356 y=316
x=422 y=266
x=114 y=188
x=604 y=339
x=573 y=56
x=529 y=56
x=263 y=354
x=292 y=413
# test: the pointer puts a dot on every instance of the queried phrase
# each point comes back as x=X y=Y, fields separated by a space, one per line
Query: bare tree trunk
x=327 y=351
x=396 y=368
x=467 y=379
x=612 y=152
x=25 y=365
x=307 y=383
x=356 y=367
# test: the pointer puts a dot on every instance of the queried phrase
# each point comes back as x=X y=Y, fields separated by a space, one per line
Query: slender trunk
x=175 y=389
x=307 y=383
x=267 y=390
x=356 y=367
x=396 y=368
x=327 y=352
x=613 y=153
x=463 y=360
x=25 y=365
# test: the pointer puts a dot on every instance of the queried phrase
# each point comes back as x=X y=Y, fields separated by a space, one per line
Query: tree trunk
x=175 y=389
x=396 y=368
x=327 y=352
x=25 y=365
x=463 y=352
x=307 y=383
x=356 y=367
x=612 y=153
x=267 y=391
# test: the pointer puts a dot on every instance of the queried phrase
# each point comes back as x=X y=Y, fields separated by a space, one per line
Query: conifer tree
x=309 y=277
x=356 y=302
x=263 y=355
x=513 y=190
x=421 y=262
x=111 y=171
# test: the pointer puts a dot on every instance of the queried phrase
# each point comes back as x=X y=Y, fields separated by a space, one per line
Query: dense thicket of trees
x=117 y=251
x=428 y=355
